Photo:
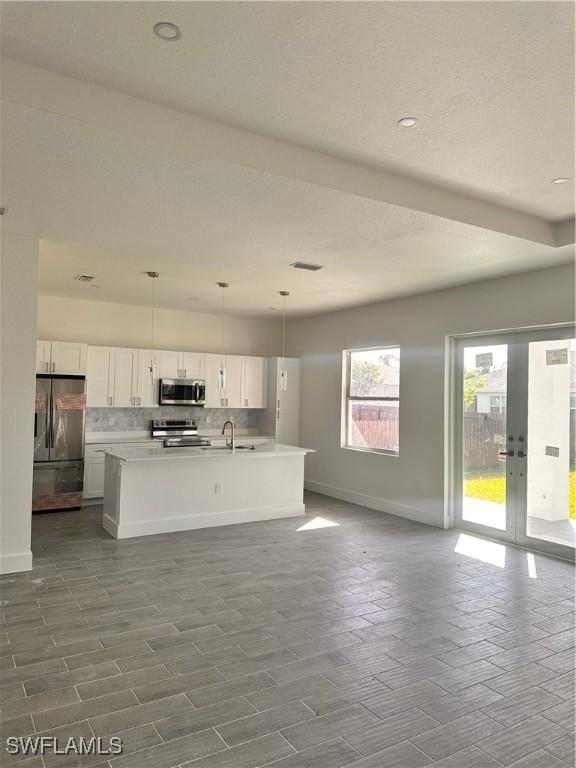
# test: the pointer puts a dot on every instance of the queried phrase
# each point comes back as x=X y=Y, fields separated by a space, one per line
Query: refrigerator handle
x=48 y=425
x=52 y=419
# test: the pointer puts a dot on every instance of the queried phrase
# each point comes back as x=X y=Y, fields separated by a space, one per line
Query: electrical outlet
x=217 y=489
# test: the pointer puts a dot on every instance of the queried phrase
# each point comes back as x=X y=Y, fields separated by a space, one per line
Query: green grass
x=493 y=488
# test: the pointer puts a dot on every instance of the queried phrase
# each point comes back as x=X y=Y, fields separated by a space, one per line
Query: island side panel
x=112 y=486
x=164 y=496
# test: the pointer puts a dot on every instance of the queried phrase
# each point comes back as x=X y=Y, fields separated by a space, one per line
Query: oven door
x=177 y=392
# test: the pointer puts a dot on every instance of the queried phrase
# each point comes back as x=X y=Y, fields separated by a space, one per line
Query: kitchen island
x=154 y=489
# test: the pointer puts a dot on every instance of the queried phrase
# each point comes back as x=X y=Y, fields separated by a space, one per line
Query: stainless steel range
x=178 y=433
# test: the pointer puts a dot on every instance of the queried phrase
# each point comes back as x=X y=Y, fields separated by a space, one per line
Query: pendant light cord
x=284 y=328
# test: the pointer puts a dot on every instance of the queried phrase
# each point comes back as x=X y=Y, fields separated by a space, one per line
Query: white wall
x=104 y=323
x=411 y=485
x=18 y=286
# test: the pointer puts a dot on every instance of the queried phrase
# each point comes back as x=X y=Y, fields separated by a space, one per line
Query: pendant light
x=222 y=370
x=152 y=367
x=283 y=368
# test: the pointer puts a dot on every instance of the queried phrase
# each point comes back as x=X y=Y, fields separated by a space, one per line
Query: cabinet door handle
x=226 y=402
x=139 y=399
x=53 y=367
x=183 y=373
x=109 y=399
x=47 y=367
x=246 y=403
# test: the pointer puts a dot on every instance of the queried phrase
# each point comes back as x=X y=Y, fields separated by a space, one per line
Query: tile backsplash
x=138 y=419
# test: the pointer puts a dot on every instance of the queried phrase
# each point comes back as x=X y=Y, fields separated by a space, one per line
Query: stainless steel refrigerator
x=59 y=414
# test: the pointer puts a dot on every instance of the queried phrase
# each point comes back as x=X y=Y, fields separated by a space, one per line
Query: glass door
x=515 y=428
x=548 y=484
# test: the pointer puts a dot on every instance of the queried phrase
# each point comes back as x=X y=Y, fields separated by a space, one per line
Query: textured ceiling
x=331 y=76
x=491 y=82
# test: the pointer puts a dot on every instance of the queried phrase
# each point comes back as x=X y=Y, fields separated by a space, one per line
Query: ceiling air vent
x=84 y=278
x=309 y=267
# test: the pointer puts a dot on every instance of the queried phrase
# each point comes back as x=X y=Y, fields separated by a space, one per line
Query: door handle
x=521 y=454
x=503 y=454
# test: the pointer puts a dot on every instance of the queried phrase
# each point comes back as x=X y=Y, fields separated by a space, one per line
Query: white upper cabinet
x=226 y=392
x=146 y=385
x=169 y=364
x=255 y=382
x=65 y=357
x=43 y=356
x=100 y=377
x=233 y=381
x=214 y=394
x=120 y=378
x=180 y=365
x=69 y=357
x=193 y=365
x=125 y=370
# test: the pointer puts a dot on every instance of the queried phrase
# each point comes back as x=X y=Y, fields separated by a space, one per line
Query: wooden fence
x=375 y=425
x=484 y=434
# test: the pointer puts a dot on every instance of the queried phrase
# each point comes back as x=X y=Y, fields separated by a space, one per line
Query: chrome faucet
x=229 y=443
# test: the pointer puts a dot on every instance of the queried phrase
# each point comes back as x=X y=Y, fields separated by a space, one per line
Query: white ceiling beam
x=121 y=114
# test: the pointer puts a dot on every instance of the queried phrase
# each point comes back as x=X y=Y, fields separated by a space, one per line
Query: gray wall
x=411 y=485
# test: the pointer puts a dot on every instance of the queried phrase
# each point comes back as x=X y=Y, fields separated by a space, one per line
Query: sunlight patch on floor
x=531 y=565
x=481 y=549
x=317 y=522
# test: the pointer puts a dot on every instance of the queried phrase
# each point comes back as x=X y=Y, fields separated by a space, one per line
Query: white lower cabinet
x=93 y=478
x=94 y=461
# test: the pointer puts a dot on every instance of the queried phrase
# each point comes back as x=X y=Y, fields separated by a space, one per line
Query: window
x=371 y=409
x=498 y=404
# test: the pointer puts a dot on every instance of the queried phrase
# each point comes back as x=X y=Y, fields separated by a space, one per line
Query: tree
x=365 y=378
x=389 y=359
x=473 y=381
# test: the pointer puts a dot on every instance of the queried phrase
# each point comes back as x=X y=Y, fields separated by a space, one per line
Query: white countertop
x=159 y=453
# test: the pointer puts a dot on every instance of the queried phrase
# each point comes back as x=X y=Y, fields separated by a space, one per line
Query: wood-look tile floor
x=375 y=642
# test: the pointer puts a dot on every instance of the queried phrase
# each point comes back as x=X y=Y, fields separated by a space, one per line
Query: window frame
x=347 y=398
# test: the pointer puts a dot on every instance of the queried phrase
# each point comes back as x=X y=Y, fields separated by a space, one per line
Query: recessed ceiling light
x=305 y=265
x=407 y=122
x=560 y=180
x=167 y=31
x=193 y=298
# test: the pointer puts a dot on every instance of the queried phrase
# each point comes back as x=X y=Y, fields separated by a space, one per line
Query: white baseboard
x=174 y=524
x=372 y=502
x=16 y=563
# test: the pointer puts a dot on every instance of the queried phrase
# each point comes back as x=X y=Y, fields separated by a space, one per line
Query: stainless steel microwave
x=182 y=392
